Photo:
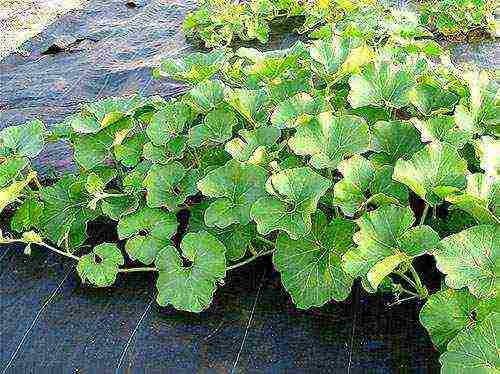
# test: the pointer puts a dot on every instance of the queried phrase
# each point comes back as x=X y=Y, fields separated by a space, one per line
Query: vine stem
x=250 y=259
x=264 y=240
x=134 y=270
x=422 y=291
x=424 y=214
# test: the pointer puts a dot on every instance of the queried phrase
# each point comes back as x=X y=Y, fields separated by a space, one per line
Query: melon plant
x=343 y=158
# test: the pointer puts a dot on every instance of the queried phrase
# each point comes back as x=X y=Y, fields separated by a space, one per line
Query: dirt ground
x=22 y=19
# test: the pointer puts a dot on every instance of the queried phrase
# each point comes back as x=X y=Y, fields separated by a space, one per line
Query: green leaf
x=168 y=123
x=443 y=129
x=433 y=173
x=169 y=185
x=381 y=84
x=91 y=150
x=297 y=110
x=394 y=140
x=112 y=109
x=337 y=56
x=115 y=207
x=250 y=104
x=480 y=111
x=236 y=186
x=195 y=67
x=217 y=127
x=173 y=150
x=488 y=150
x=147 y=230
x=66 y=212
x=27 y=216
x=129 y=152
x=206 y=96
x=191 y=288
x=243 y=147
x=24 y=140
x=236 y=238
x=100 y=267
x=361 y=180
x=431 y=99
x=385 y=241
x=470 y=259
x=133 y=180
x=449 y=312
x=310 y=266
x=481 y=199
x=328 y=139
x=474 y=350
x=11 y=168
x=296 y=195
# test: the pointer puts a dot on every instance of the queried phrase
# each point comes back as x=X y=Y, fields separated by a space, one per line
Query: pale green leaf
x=147 y=230
x=192 y=287
x=310 y=267
x=100 y=267
x=236 y=186
x=329 y=140
x=296 y=193
x=297 y=110
x=470 y=259
x=168 y=122
x=169 y=185
x=217 y=127
x=24 y=140
x=433 y=173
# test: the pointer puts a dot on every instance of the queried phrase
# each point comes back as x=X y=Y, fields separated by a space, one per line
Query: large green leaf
x=169 y=185
x=190 y=287
x=193 y=68
x=109 y=110
x=27 y=216
x=433 y=173
x=66 y=212
x=448 y=312
x=381 y=84
x=236 y=238
x=363 y=184
x=24 y=140
x=297 y=110
x=236 y=186
x=91 y=150
x=250 y=104
x=337 y=56
x=386 y=240
x=443 y=129
x=206 y=96
x=129 y=152
x=328 y=139
x=168 y=122
x=488 y=150
x=242 y=148
x=296 y=193
x=310 y=267
x=481 y=199
x=100 y=267
x=393 y=140
x=479 y=112
x=11 y=168
x=217 y=127
x=147 y=230
x=431 y=99
x=470 y=259
x=474 y=350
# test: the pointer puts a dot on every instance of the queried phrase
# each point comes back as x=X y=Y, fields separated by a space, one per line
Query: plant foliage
x=345 y=157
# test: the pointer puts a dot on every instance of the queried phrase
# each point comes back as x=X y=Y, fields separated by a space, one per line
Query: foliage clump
x=345 y=157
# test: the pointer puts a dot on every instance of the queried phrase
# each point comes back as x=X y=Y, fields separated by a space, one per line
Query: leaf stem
x=424 y=214
x=53 y=249
x=135 y=270
x=250 y=259
x=422 y=291
x=266 y=241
